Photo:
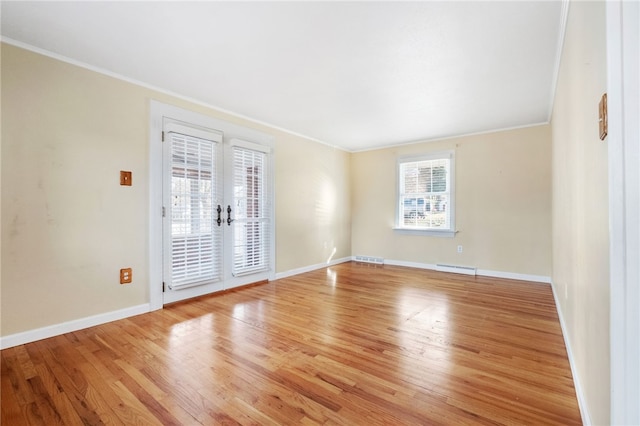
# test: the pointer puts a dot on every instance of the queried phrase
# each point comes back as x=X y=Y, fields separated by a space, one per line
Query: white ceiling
x=357 y=75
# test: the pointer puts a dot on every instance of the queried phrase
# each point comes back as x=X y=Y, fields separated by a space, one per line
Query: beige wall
x=67 y=225
x=580 y=204
x=314 y=208
x=503 y=198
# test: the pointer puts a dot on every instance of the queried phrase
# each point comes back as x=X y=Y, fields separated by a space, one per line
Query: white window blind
x=251 y=226
x=425 y=193
x=195 y=236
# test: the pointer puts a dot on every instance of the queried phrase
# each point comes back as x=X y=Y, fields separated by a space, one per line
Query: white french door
x=217 y=204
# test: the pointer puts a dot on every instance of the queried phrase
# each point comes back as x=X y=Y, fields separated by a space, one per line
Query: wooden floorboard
x=353 y=344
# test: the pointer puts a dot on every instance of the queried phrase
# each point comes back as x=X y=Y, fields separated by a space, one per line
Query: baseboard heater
x=466 y=270
x=369 y=259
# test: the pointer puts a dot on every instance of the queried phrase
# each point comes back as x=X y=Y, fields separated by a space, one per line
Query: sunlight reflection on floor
x=424 y=316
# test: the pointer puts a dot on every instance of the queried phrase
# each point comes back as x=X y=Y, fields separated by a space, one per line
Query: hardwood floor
x=350 y=345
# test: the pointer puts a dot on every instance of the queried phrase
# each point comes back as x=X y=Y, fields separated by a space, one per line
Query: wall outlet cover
x=125 y=276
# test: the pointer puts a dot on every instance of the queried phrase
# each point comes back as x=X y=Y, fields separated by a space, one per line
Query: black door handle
x=219 y=215
x=229 y=220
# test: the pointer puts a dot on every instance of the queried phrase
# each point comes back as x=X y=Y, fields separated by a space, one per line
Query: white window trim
x=449 y=233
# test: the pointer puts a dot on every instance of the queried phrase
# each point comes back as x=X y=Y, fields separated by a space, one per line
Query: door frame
x=158 y=111
x=623 y=81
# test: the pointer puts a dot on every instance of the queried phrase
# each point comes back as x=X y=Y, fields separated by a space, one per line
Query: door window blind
x=195 y=236
x=251 y=226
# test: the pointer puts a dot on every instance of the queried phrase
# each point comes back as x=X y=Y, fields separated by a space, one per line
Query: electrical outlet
x=459 y=249
x=125 y=276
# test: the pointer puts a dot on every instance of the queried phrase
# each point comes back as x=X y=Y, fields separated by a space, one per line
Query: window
x=425 y=194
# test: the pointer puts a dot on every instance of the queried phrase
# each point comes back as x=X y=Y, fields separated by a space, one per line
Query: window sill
x=447 y=233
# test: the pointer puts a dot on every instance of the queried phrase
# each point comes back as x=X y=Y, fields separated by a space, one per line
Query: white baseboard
x=483 y=272
x=410 y=264
x=514 y=276
x=69 y=326
x=582 y=402
x=310 y=268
